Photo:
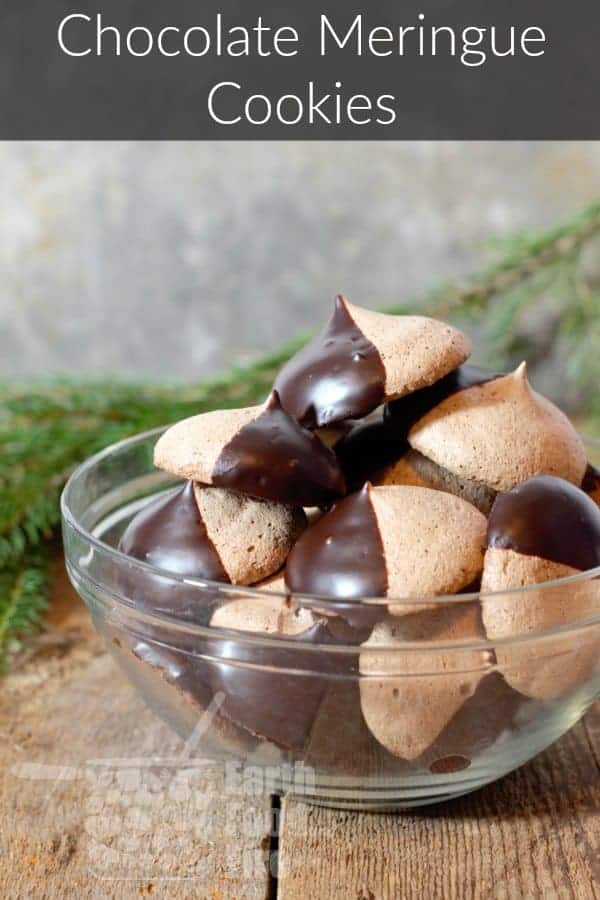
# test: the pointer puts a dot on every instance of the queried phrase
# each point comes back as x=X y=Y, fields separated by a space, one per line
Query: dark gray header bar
x=185 y=69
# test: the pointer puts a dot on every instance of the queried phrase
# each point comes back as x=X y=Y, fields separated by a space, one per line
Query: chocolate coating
x=261 y=694
x=271 y=691
x=341 y=555
x=400 y=415
x=591 y=480
x=169 y=533
x=275 y=458
x=338 y=375
x=549 y=518
x=367 y=448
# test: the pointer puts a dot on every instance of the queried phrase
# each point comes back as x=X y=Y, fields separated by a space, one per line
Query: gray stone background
x=176 y=260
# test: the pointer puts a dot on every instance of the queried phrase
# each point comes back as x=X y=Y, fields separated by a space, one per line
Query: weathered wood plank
x=534 y=834
x=96 y=829
x=83 y=815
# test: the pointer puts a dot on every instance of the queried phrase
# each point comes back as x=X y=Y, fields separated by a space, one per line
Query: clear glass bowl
x=390 y=726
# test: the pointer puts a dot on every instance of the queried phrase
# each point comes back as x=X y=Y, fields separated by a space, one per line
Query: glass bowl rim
x=314 y=601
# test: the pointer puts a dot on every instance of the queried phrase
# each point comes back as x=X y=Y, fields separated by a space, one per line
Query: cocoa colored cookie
x=415 y=469
x=542 y=531
x=362 y=359
x=259 y=451
x=498 y=434
x=266 y=615
x=408 y=697
x=211 y=533
x=398 y=542
x=271 y=689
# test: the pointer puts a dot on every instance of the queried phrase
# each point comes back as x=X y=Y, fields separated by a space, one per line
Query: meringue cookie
x=169 y=533
x=543 y=530
x=266 y=615
x=415 y=469
x=179 y=681
x=499 y=434
x=419 y=692
x=403 y=471
x=263 y=692
x=389 y=541
x=412 y=468
x=211 y=533
x=363 y=358
x=274 y=583
x=259 y=451
x=401 y=415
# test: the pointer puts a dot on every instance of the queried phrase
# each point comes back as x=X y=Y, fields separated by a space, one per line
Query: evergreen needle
x=48 y=425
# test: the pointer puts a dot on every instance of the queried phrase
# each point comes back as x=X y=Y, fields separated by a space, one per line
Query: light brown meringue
x=408 y=698
x=433 y=542
x=260 y=451
x=499 y=434
x=274 y=583
x=267 y=615
x=190 y=448
x=548 y=667
x=415 y=350
x=415 y=469
x=251 y=537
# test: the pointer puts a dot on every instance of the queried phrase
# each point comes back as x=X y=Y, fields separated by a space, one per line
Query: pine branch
x=47 y=426
x=24 y=593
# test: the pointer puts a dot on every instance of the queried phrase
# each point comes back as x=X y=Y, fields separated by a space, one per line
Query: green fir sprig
x=48 y=425
x=24 y=587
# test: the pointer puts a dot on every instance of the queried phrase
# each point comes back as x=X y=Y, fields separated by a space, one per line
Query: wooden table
x=84 y=815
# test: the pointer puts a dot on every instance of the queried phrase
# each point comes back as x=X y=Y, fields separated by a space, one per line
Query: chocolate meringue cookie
x=543 y=530
x=180 y=684
x=363 y=358
x=591 y=483
x=420 y=691
x=347 y=623
x=265 y=615
x=293 y=711
x=389 y=541
x=260 y=451
x=415 y=469
x=211 y=533
x=376 y=448
x=401 y=415
x=260 y=694
x=274 y=583
x=500 y=433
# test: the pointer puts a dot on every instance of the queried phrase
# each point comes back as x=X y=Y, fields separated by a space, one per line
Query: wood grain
x=534 y=834
x=74 y=824
x=83 y=815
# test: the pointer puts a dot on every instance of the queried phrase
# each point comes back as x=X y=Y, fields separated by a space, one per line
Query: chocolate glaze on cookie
x=341 y=555
x=169 y=533
x=262 y=702
x=338 y=375
x=591 y=480
x=273 y=457
x=400 y=415
x=367 y=448
x=549 y=518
